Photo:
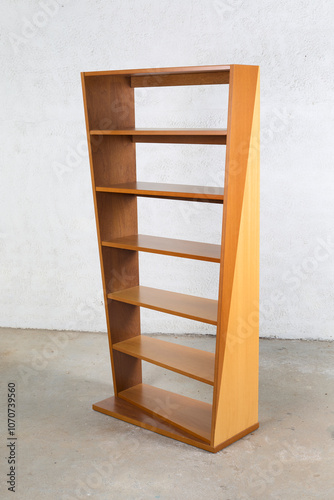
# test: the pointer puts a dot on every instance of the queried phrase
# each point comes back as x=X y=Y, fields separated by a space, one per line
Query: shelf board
x=122 y=410
x=167 y=246
x=166 y=131
x=187 y=414
x=179 y=304
x=169 y=135
x=208 y=194
x=176 y=79
x=188 y=361
x=161 y=71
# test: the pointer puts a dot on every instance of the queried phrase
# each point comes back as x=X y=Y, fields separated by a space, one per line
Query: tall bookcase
x=233 y=369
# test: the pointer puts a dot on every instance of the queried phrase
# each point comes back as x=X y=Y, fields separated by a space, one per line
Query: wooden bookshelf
x=232 y=370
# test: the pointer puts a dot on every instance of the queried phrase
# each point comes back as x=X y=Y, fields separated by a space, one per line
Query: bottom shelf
x=189 y=415
x=120 y=409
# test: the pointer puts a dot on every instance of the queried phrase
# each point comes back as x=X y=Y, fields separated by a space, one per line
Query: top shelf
x=161 y=77
x=161 y=71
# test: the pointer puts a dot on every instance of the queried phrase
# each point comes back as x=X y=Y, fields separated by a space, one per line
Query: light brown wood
x=161 y=190
x=127 y=412
x=187 y=414
x=178 y=136
x=111 y=132
x=160 y=71
x=188 y=361
x=235 y=403
x=110 y=102
x=161 y=80
x=167 y=246
x=165 y=131
x=179 y=304
x=121 y=409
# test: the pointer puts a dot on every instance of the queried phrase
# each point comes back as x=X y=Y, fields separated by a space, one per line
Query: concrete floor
x=67 y=451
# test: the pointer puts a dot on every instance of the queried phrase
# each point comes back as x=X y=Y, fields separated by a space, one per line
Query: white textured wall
x=49 y=266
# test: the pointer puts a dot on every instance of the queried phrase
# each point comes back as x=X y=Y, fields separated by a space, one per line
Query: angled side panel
x=109 y=104
x=235 y=399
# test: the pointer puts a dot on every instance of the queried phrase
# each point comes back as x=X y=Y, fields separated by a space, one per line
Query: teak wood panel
x=167 y=246
x=122 y=410
x=109 y=110
x=162 y=190
x=117 y=214
x=181 y=139
x=179 y=304
x=188 y=414
x=114 y=159
x=161 y=80
x=160 y=131
x=235 y=401
x=109 y=102
x=182 y=359
x=160 y=71
x=178 y=136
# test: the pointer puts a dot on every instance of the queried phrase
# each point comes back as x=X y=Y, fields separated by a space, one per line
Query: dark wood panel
x=161 y=80
x=160 y=71
x=180 y=139
x=110 y=102
x=114 y=159
x=117 y=214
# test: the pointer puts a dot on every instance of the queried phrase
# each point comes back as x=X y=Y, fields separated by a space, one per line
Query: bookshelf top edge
x=160 y=71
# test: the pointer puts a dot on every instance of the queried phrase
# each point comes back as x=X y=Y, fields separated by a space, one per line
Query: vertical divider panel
x=235 y=398
x=109 y=104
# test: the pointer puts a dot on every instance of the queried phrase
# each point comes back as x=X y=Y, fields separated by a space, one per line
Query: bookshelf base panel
x=122 y=410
